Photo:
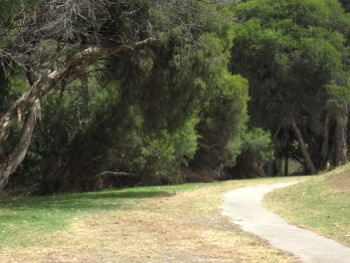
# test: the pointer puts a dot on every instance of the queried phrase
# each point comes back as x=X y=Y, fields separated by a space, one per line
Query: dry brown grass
x=186 y=227
x=340 y=181
x=322 y=204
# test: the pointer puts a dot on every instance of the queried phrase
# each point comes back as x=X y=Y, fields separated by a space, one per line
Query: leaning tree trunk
x=340 y=138
x=55 y=78
x=309 y=164
x=30 y=99
x=10 y=165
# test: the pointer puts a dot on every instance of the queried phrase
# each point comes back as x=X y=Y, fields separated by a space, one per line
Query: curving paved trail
x=244 y=207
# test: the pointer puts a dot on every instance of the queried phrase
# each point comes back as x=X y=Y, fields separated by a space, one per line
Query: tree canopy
x=123 y=89
x=97 y=94
x=295 y=55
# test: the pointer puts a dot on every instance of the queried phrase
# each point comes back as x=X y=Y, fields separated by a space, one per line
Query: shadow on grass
x=104 y=200
x=24 y=219
x=121 y=195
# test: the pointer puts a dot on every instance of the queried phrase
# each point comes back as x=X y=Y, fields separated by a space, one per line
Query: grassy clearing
x=147 y=224
x=321 y=204
x=22 y=220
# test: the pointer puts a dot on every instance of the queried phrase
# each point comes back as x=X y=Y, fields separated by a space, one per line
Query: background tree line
x=99 y=93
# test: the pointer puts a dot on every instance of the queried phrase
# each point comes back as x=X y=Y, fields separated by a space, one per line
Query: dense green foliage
x=219 y=88
x=295 y=55
x=142 y=118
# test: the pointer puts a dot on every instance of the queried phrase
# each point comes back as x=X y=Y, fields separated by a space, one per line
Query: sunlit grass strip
x=321 y=204
x=22 y=220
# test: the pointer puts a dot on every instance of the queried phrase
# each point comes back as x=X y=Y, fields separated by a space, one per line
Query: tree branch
x=12 y=162
x=54 y=78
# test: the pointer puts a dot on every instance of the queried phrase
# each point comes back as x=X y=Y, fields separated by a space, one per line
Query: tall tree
x=52 y=42
x=294 y=54
x=149 y=50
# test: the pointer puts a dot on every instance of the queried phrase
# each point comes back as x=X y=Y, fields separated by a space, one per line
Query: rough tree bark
x=10 y=165
x=309 y=164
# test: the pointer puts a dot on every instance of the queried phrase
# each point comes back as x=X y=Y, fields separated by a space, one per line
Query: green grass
x=66 y=224
x=321 y=204
x=24 y=219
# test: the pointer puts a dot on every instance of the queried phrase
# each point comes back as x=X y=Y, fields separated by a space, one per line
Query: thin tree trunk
x=148 y=174
x=270 y=169
x=286 y=164
x=10 y=165
x=279 y=165
x=309 y=164
x=340 y=142
x=325 y=144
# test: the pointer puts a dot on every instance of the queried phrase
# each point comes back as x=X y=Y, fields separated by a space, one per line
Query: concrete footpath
x=244 y=207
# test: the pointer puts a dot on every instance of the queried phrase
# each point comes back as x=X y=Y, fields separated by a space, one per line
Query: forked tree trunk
x=309 y=164
x=340 y=140
x=10 y=165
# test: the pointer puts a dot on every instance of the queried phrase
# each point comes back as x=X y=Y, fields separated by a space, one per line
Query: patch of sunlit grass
x=23 y=219
x=188 y=218
x=321 y=204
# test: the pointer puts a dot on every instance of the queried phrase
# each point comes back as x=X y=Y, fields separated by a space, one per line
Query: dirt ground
x=186 y=227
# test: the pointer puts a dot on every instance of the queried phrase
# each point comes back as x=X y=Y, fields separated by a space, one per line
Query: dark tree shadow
x=104 y=200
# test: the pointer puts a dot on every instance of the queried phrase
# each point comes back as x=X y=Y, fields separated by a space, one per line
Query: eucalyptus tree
x=51 y=42
x=294 y=54
x=148 y=48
